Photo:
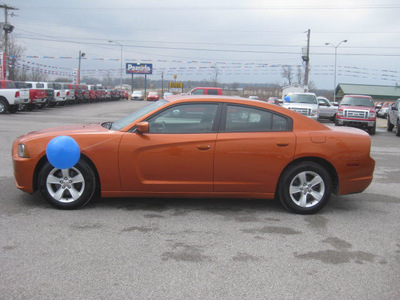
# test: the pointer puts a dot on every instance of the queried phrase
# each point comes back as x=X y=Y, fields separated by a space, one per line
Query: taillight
x=17 y=94
x=58 y=94
x=68 y=93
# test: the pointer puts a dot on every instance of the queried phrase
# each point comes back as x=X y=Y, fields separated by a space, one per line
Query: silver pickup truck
x=393 y=118
x=326 y=109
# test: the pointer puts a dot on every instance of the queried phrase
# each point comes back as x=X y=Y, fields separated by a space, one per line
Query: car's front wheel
x=305 y=188
x=398 y=127
x=67 y=188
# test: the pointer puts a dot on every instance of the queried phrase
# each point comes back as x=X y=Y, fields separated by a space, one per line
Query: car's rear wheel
x=305 y=188
x=3 y=106
x=67 y=188
x=389 y=125
x=398 y=128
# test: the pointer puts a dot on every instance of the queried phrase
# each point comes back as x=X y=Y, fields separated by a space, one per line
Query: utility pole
x=306 y=59
x=7 y=29
x=162 y=84
x=81 y=54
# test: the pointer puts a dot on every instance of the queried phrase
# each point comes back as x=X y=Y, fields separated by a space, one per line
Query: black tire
x=372 y=130
x=13 y=109
x=3 y=106
x=305 y=188
x=398 y=128
x=67 y=189
x=389 y=125
x=336 y=122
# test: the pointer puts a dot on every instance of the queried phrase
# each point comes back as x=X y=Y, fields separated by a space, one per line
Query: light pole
x=120 y=71
x=334 y=82
x=81 y=54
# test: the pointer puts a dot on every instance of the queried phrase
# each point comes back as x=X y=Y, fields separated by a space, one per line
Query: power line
x=223 y=8
x=211 y=50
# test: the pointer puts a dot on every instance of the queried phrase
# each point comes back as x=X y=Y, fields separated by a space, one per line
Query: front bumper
x=356 y=123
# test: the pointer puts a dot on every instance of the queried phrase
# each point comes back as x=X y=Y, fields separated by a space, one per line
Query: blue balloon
x=63 y=152
x=287 y=98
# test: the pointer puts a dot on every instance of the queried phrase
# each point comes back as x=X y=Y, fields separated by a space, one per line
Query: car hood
x=302 y=105
x=64 y=130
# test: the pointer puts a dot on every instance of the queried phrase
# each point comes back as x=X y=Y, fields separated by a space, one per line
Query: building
x=293 y=88
x=377 y=92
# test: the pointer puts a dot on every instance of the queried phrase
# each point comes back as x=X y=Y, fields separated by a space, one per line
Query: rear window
x=213 y=92
x=10 y=85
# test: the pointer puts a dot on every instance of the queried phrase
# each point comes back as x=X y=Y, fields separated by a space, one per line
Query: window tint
x=185 y=118
x=212 y=92
x=246 y=119
x=10 y=85
x=198 y=92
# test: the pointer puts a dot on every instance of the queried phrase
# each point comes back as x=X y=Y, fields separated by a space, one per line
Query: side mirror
x=142 y=127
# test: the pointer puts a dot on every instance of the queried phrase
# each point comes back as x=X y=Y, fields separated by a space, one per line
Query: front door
x=177 y=153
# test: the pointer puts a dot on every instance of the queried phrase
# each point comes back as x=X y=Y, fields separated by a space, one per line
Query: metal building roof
x=375 y=91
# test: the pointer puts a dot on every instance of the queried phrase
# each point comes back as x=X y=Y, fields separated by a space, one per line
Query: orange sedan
x=201 y=146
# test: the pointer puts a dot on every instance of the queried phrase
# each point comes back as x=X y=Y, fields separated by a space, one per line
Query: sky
x=237 y=40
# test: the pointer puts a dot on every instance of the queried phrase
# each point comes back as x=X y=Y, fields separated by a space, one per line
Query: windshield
x=357 y=101
x=125 y=121
x=303 y=98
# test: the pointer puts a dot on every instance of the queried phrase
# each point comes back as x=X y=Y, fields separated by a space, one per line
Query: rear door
x=252 y=149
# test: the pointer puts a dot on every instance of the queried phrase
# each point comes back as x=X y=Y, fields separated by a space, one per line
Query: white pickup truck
x=60 y=94
x=11 y=97
x=303 y=103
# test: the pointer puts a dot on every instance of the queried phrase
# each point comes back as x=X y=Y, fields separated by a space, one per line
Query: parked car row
x=27 y=95
x=139 y=95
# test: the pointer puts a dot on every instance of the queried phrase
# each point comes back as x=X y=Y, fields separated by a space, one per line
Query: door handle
x=203 y=147
x=282 y=144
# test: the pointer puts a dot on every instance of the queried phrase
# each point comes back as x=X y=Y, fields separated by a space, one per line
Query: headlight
x=372 y=115
x=23 y=151
x=340 y=113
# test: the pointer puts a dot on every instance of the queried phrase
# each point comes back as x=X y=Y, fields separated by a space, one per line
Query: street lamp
x=334 y=83
x=120 y=79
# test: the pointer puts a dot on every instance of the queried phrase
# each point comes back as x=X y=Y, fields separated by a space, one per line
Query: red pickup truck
x=37 y=97
x=206 y=91
x=357 y=111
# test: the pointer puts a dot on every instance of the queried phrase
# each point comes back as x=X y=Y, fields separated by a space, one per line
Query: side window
x=185 y=118
x=198 y=92
x=323 y=102
x=212 y=92
x=246 y=119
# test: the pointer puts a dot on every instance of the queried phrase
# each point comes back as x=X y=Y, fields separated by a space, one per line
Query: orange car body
x=128 y=163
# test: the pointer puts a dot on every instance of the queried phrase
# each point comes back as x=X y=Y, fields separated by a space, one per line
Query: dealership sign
x=175 y=87
x=135 y=68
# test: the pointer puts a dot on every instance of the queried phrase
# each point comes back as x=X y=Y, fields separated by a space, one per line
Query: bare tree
x=216 y=76
x=15 y=52
x=300 y=75
x=287 y=73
